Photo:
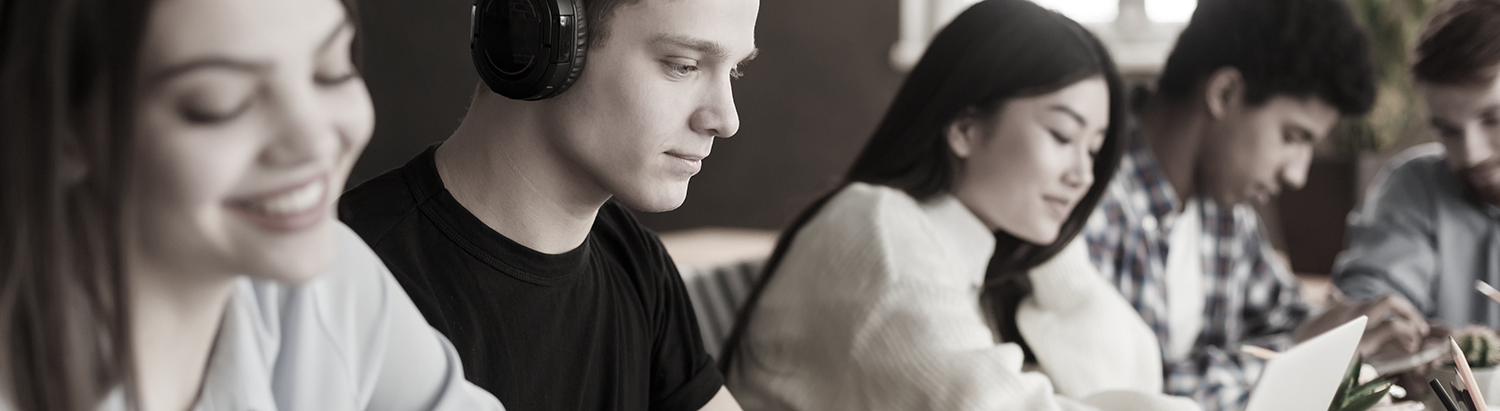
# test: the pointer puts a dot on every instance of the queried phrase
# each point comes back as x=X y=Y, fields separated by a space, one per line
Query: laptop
x=1306 y=376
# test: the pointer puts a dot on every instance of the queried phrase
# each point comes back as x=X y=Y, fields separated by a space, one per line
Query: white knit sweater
x=876 y=307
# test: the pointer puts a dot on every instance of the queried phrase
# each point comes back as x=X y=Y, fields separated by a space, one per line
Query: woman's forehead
x=249 y=30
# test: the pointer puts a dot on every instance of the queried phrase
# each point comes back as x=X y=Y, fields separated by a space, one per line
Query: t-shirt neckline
x=484 y=243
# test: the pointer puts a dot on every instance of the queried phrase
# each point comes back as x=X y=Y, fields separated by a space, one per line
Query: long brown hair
x=67 y=68
x=67 y=79
x=995 y=51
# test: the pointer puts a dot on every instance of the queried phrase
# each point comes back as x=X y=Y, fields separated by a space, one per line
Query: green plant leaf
x=1368 y=389
x=1344 y=386
x=1351 y=377
x=1365 y=402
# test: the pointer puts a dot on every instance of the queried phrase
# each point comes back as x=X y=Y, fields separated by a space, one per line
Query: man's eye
x=1447 y=133
x=680 y=70
x=1296 y=136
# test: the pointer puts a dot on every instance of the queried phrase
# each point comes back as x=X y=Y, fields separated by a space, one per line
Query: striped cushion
x=717 y=293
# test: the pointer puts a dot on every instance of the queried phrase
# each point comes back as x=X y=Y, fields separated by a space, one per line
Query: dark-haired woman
x=941 y=266
x=168 y=171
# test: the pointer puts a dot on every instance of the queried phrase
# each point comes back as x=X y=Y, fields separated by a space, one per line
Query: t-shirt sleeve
x=683 y=376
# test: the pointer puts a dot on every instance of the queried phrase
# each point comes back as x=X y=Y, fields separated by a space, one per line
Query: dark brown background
x=806 y=105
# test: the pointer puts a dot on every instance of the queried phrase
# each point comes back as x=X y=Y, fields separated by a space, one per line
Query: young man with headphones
x=513 y=236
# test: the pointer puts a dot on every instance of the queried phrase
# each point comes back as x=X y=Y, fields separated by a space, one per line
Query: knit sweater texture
x=875 y=306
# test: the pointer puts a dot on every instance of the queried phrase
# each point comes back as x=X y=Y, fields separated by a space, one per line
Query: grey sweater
x=1420 y=234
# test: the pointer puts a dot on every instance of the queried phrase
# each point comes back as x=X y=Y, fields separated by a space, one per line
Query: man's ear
x=965 y=134
x=1225 y=89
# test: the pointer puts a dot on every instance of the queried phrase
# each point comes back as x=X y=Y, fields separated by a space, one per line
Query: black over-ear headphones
x=528 y=49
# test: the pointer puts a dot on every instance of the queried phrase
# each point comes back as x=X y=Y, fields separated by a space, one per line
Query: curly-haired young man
x=1248 y=90
x=1431 y=225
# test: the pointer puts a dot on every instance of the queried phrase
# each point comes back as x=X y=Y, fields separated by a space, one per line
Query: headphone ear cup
x=580 y=49
x=529 y=49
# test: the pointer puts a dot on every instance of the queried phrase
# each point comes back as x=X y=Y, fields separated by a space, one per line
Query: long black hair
x=995 y=51
x=68 y=73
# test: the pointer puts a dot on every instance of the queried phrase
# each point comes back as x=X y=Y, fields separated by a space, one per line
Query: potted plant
x=1360 y=389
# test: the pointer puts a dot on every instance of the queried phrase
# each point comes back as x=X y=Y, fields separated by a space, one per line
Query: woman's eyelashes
x=337 y=78
x=1061 y=139
x=336 y=67
x=204 y=109
x=218 y=104
x=1064 y=140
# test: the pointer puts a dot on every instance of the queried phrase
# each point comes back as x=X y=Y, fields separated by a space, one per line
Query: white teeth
x=295 y=201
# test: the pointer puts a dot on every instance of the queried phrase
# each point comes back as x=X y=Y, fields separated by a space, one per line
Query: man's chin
x=1488 y=192
x=655 y=202
x=1228 y=199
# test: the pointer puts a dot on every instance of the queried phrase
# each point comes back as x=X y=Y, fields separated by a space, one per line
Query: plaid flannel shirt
x=1252 y=297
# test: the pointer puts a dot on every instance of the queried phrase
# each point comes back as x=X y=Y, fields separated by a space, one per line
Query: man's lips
x=687 y=156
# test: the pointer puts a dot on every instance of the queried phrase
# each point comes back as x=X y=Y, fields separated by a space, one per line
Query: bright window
x=1138 y=33
x=1085 y=11
x=1170 y=11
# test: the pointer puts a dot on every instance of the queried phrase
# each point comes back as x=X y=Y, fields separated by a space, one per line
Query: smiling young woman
x=942 y=264
x=169 y=175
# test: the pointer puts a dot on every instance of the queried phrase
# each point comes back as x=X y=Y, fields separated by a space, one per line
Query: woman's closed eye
x=214 y=107
x=335 y=65
x=1061 y=139
x=336 y=79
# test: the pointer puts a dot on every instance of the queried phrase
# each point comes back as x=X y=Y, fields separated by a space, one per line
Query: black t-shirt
x=606 y=326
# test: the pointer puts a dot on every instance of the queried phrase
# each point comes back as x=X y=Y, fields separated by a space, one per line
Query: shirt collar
x=239 y=369
x=1144 y=175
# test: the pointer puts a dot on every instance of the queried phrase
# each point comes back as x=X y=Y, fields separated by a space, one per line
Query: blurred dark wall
x=417 y=67
x=806 y=105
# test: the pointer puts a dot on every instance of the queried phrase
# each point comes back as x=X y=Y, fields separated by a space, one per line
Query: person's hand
x=1415 y=380
x=1394 y=324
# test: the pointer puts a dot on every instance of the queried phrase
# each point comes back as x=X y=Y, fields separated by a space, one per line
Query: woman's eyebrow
x=334 y=34
x=212 y=61
x=236 y=64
